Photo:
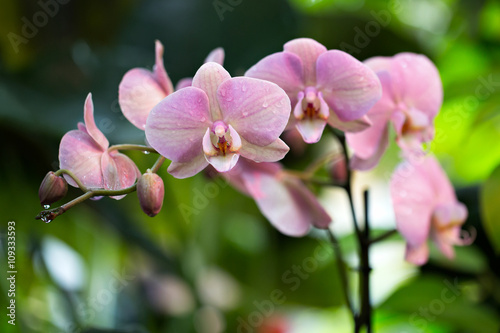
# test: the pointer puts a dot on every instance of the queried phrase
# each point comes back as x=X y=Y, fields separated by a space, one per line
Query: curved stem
x=73 y=176
x=132 y=147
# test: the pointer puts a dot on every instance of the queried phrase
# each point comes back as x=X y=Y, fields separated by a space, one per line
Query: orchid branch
x=49 y=215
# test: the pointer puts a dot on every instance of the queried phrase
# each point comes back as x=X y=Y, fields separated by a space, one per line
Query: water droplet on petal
x=146 y=152
x=243 y=88
x=46 y=206
x=244 y=113
x=265 y=105
x=202 y=119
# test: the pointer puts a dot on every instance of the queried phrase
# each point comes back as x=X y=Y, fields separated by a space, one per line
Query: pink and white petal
x=445 y=193
x=80 y=154
x=270 y=153
x=128 y=172
x=349 y=87
x=258 y=110
x=282 y=68
x=416 y=81
x=311 y=129
x=138 y=93
x=367 y=163
x=110 y=173
x=92 y=130
x=367 y=143
x=308 y=51
x=188 y=169
x=223 y=163
x=159 y=70
x=417 y=255
x=305 y=199
x=379 y=64
x=208 y=78
x=277 y=203
x=175 y=127
x=353 y=126
x=216 y=55
x=183 y=83
x=414 y=198
x=235 y=175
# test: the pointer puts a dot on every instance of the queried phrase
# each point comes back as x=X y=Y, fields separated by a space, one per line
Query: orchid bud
x=52 y=189
x=150 y=190
x=338 y=171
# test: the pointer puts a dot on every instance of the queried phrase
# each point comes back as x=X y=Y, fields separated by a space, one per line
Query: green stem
x=73 y=176
x=132 y=147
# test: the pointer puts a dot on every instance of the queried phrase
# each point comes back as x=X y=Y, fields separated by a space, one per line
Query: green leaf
x=490 y=208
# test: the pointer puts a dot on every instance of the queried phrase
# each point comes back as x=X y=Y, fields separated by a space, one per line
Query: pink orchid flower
x=218 y=119
x=216 y=55
x=140 y=89
x=426 y=207
x=283 y=199
x=85 y=153
x=323 y=86
x=412 y=95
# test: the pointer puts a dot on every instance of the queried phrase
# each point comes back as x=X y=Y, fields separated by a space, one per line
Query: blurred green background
x=106 y=267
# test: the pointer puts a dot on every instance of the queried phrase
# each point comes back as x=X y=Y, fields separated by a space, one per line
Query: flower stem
x=132 y=147
x=341 y=265
x=383 y=236
x=49 y=215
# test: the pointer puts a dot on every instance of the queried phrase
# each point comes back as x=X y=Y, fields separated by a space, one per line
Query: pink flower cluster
x=234 y=124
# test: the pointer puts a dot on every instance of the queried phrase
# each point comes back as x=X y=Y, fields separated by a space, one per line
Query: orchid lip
x=310 y=105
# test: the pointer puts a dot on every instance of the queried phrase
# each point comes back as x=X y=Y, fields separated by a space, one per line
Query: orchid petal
x=379 y=64
x=311 y=129
x=413 y=196
x=307 y=202
x=79 y=153
x=416 y=81
x=92 y=130
x=282 y=68
x=216 y=55
x=183 y=83
x=270 y=153
x=189 y=168
x=175 y=127
x=223 y=163
x=277 y=203
x=258 y=110
x=417 y=255
x=208 y=78
x=126 y=170
x=109 y=172
x=353 y=126
x=138 y=93
x=159 y=70
x=349 y=87
x=370 y=161
x=308 y=51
